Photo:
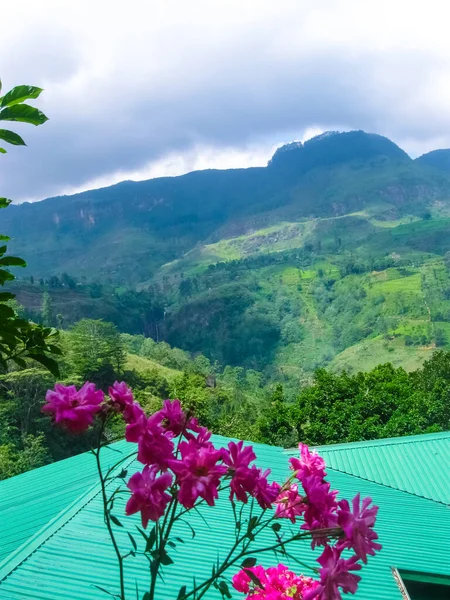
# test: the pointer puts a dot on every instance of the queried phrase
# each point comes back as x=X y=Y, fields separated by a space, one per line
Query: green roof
x=70 y=552
x=418 y=464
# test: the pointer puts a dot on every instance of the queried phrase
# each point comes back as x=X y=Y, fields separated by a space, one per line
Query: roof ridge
x=391 y=487
x=397 y=441
x=31 y=545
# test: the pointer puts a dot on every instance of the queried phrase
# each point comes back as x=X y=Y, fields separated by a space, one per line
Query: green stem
x=106 y=512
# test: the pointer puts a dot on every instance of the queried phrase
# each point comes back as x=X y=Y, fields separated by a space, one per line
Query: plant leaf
x=2 y=151
x=4 y=202
x=249 y=562
x=182 y=592
x=276 y=527
x=224 y=590
x=11 y=137
x=115 y=520
x=19 y=94
x=253 y=577
x=23 y=113
x=132 y=540
x=49 y=363
x=12 y=261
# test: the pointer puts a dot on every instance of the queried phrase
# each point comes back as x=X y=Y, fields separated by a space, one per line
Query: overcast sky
x=141 y=88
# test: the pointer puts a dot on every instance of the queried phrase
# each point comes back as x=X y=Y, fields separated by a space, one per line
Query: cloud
x=144 y=88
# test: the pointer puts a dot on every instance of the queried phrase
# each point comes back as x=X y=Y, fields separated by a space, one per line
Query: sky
x=148 y=88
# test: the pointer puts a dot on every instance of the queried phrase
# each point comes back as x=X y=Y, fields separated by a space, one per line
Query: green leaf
x=115 y=520
x=146 y=596
x=132 y=540
x=12 y=261
x=122 y=474
x=151 y=540
x=19 y=94
x=163 y=557
x=11 y=137
x=276 y=527
x=253 y=577
x=23 y=113
x=4 y=202
x=5 y=296
x=2 y=151
x=171 y=544
x=182 y=593
x=106 y=591
x=224 y=589
x=49 y=363
x=249 y=562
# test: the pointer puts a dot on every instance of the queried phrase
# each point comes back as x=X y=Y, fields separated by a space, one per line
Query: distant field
x=368 y=354
x=140 y=364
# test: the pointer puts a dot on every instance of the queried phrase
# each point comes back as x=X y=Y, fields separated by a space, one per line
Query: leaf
x=106 y=591
x=11 y=137
x=115 y=520
x=19 y=94
x=49 y=363
x=2 y=151
x=182 y=592
x=253 y=577
x=276 y=527
x=12 y=261
x=146 y=596
x=151 y=540
x=23 y=113
x=249 y=562
x=5 y=296
x=132 y=540
x=180 y=540
x=252 y=523
x=122 y=474
x=190 y=527
x=224 y=589
x=4 y=202
x=163 y=557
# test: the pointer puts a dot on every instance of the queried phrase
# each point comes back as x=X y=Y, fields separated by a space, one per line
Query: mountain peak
x=334 y=147
x=439 y=159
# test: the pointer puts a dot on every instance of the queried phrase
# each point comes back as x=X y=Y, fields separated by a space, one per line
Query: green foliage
x=97 y=352
x=20 y=339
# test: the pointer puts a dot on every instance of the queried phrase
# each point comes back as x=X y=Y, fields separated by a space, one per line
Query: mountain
x=438 y=159
x=126 y=232
x=333 y=254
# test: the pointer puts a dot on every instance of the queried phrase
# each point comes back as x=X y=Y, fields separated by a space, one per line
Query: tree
x=47 y=310
x=19 y=338
x=97 y=351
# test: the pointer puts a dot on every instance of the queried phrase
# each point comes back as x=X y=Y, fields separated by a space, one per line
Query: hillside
x=333 y=254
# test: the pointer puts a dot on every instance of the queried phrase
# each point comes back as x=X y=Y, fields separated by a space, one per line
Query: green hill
x=333 y=254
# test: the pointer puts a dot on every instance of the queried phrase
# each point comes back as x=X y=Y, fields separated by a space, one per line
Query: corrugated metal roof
x=416 y=464
x=42 y=494
x=65 y=560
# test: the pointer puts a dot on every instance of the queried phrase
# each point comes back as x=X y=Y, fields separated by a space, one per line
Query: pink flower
x=335 y=574
x=265 y=493
x=358 y=527
x=171 y=417
x=137 y=422
x=149 y=494
x=121 y=395
x=155 y=447
x=198 y=474
x=309 y=463
x=244 y=478
x=321 y=507
x=201 y=440
x=71 y=408
x=290 y=504
x=274 y=583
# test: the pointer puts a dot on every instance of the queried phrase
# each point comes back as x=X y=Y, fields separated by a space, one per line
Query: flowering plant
x=182 y=470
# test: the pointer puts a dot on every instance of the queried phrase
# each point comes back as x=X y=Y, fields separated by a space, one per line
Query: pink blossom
x=149 y=494
x=321 y=507
x=75 y=409
x=121 y=395
x=309 y=463
x=155 y=446
x=171 y=417
x=358 y=527
x=274 y=583
x=198 y=474
x=137 y=422
x=243 y=478
x=335 y=574
x=265 y=493
x=201 y=440
x=290 y=504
